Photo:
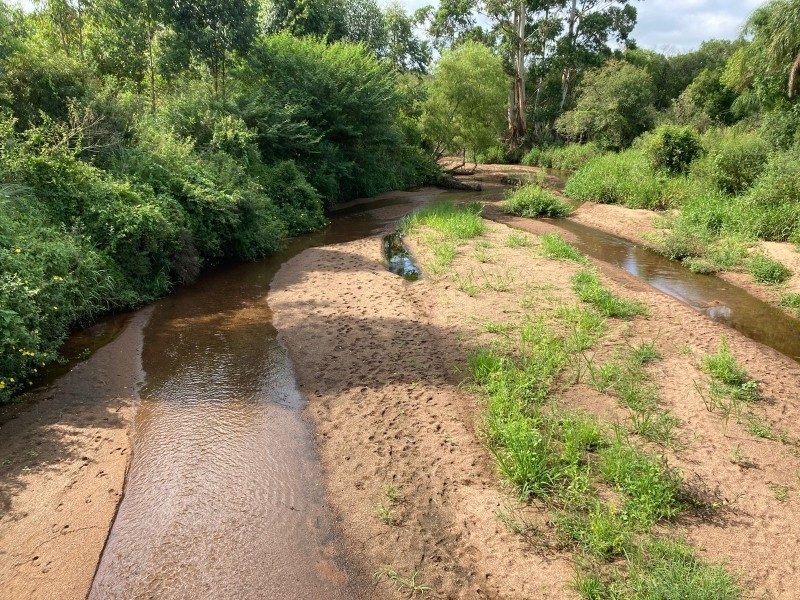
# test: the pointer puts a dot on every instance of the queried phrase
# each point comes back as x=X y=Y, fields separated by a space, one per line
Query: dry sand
x=382 y=364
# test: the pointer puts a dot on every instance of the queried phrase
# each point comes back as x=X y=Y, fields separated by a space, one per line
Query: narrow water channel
x=714 y=297
x=224 y=497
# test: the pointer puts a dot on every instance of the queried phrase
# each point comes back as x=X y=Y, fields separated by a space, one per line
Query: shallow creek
x=224 y=497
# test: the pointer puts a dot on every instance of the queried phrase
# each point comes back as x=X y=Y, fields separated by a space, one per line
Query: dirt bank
x=636 y=224
x=63 y=459
x=382 y=361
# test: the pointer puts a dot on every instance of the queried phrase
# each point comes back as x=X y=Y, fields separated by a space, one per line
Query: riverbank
x=639 y=225
x=383 y=364
x=63 y=463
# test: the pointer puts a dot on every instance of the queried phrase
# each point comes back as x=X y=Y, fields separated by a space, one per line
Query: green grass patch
x=767 y=270
x=466 y=283
x=534 y=201
x=661 y=569
x=556 y=247
x=653 y=491
x=589 y=289
x=459 y=222
x=628 y=380
x=791 y=300
x=601 y=531
x=562 y=158
x=569 y=461
x=518 y=240
x=728 y=378
x=449 y=225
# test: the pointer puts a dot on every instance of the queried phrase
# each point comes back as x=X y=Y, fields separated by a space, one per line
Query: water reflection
x=710 y=295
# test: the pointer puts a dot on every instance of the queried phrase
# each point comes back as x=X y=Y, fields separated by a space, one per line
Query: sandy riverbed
x=382 y=364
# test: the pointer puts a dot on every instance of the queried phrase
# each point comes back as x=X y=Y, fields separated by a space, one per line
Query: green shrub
x=533 y=157
x=767 y=270
x=496 y=155
x=625 y=178
x=563 y=158
x=781 y=126
x=299 y=204
x=673 y=148
x=533 y=201
x=778 y=188
x=738 y=162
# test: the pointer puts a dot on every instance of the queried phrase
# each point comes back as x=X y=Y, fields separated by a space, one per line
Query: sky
x=675 y=25
x=669 y=26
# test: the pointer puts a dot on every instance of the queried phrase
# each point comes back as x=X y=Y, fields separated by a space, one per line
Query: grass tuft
x=767 y=270
x=456 y=222
x=405 y=584
x=728 y=378
x=791 y=300
x=533 y=201
x=556 y=247
x=662 y=569
x=518 y=240
x=589 y=289
x=653 y=491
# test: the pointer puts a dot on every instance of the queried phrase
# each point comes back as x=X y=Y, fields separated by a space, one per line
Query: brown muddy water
x=712 y=296
x=225 y=497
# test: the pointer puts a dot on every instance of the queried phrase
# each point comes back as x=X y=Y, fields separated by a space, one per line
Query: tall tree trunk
x=540 y=81
x=566 y=75
x=517 y=124
x=79 y=10
x=151 y=67
x=793 y=74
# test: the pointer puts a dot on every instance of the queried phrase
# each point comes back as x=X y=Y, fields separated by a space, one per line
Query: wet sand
x=63 y=460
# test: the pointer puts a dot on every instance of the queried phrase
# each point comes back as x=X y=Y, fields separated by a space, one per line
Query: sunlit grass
x=588 y=287
x=533 y=201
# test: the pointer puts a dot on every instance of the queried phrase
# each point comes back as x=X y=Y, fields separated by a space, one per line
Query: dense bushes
x=627 y=178
x=738 y=162
x=672 y=148
x=564 y=158
x=333 y=109
x=533 y=201
x=104 y=205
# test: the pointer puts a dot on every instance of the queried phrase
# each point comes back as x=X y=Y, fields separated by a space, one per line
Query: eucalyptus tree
x=215 y=31
x=365 y=23
x=464 y=109
x=538 y=37
x=775 y=32
x=403 y=48
x=589 y=26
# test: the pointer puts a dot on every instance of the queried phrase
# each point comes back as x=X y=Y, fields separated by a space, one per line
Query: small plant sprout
x=518 y=240
x=781 y=492
x=405 y=584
